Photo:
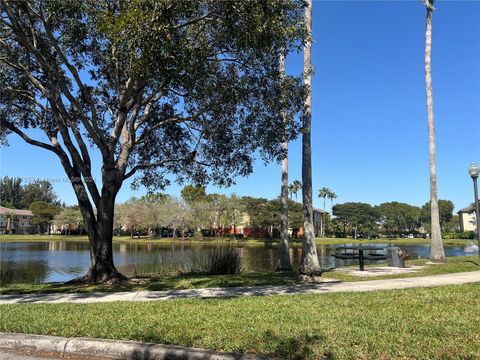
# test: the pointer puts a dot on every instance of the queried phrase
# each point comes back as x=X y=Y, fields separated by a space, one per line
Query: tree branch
x=28 y=139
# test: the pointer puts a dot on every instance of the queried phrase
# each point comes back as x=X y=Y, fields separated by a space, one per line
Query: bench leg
x=361 y=260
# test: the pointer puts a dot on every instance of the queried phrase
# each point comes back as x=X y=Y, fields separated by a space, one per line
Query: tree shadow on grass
x=189 y=281
x=158 y=283
x=297 y=347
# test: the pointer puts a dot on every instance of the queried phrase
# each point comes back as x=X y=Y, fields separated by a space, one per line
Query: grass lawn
x=426 y=323
x=249 y=241
x=454 y=264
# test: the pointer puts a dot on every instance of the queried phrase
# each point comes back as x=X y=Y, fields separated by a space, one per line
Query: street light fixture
x=474 y=171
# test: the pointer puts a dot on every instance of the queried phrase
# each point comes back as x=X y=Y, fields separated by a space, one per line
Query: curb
x=113 y=349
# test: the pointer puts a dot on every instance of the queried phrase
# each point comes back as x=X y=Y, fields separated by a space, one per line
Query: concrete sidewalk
x=319 y=288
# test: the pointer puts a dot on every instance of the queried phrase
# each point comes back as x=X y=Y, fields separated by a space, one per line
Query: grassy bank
x=249 y=241
x=426 y=323
x=454 y=264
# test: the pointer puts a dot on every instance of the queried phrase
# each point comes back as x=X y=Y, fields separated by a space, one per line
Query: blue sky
x=369 y=131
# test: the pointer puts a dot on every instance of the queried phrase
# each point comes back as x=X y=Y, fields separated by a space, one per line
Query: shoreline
x=246 y=241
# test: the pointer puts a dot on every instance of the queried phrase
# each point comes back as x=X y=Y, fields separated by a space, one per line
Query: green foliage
x=458 y=235
x=43 y=213
x=187 y=76
x=39 y=190
x=15 y=195
x=453 y=225
x=445 y=209
x=360 y=217
x=294 y=188
x=11 y=192
x=398 y=218
x=191 y=194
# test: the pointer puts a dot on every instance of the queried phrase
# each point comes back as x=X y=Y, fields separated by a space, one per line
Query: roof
x=4 y=210
x=320 y=210
x=467 y=209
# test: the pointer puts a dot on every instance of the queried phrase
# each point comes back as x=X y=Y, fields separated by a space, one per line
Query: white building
x=467 y=219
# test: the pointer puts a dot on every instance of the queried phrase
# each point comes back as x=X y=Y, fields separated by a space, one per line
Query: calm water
x=38 y=262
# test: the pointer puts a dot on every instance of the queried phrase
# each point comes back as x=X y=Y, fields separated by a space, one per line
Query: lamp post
x=474 y=171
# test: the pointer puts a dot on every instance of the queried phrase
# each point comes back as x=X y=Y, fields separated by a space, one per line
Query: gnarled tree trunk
x=100 y=231
x=102 y=268
x=309 y=264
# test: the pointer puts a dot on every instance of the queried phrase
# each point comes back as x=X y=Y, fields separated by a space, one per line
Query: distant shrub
x=459 y=235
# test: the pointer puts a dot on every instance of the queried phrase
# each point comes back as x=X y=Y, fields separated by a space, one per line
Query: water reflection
x=37 y=262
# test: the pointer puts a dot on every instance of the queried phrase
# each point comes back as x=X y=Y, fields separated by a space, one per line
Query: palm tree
x=331 y=195
x=291 y=190
x=284 y=263
x=309 y=264
x=437 y=254
x=295 y=187
x=323 y=193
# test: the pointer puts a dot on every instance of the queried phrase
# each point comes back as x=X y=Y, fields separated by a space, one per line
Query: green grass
x=421 y=323
x=249 y=241
x=455 y=264
x=397 y=241
x=169 y=282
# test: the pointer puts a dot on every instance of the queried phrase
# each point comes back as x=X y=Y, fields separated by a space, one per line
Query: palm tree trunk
x=323 y=217
x=284 y=263
x=437 y=253
x=309 y=263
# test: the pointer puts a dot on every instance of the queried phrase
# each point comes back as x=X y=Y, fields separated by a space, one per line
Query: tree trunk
x=324 y=216
x=284 y=263
x=437 y=253
x=100 y=235
x=99 y=229
x=309 y=263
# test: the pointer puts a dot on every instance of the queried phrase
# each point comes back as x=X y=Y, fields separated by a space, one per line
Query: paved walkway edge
x=113 y=349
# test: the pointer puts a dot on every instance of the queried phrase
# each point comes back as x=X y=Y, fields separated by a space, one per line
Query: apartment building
x=467 y=219
x=14 y=221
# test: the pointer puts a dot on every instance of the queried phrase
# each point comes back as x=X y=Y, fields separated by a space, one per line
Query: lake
x=39 y=262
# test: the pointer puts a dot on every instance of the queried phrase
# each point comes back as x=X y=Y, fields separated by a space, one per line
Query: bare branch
x=28 y=139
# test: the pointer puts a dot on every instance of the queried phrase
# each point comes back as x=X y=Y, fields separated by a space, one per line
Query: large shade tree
x=398 y=218
x=153 y=87
x=437 y=253
x=360 y=217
